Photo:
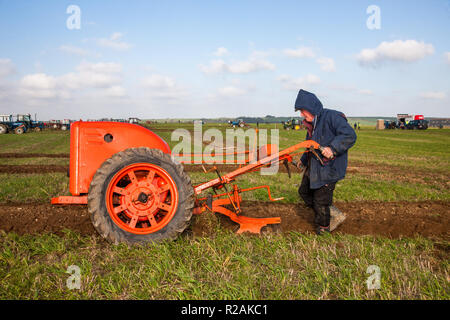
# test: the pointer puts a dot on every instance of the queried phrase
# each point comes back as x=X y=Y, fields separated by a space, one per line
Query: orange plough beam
x=276 y=157
x=247 y=224
x=70 y=200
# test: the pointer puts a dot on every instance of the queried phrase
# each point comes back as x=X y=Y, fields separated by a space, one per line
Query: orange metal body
x=90 y=146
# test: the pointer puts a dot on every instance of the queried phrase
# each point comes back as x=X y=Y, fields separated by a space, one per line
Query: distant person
x=331 y=130
x=354 y=126
x=359 y=126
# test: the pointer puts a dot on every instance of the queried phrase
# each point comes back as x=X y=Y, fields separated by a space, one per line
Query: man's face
x=307 y=115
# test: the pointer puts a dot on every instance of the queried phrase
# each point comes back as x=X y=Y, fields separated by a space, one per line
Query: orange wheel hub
x=142 y=198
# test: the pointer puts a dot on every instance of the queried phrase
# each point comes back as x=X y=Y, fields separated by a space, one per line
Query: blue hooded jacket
x=330 y=129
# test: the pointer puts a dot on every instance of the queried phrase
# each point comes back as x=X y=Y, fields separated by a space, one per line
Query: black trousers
x=319 y=199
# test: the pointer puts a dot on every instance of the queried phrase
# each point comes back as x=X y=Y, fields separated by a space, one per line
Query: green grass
x=35 y=161
x=35 y=142
x=401 y=165
x=228 y=266
x=32 y=188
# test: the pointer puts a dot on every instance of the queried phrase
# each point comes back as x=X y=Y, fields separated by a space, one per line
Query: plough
x=137 y=192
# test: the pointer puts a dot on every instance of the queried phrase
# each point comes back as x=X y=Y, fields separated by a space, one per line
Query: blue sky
x=189 y=59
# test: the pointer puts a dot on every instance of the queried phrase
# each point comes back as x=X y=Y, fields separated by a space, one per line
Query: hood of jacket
x=308 y=101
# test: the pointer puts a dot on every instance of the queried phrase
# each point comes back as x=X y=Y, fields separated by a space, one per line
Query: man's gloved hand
x=327 y=153
x=299 y=165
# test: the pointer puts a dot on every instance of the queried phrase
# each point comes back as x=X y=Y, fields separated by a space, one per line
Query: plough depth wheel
x=140 y=195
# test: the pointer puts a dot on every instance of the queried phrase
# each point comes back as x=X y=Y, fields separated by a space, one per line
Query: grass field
x=385 y=166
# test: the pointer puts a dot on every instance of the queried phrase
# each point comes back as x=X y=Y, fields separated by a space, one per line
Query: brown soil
x=32 y=168
x=34 y=155
x=389 y=219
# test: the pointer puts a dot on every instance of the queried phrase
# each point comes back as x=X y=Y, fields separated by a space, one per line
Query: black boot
x=322 y=230
x=322 y=219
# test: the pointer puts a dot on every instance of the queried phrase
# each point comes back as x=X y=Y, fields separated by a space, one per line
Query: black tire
x=100 y=217
x=19 y=130
x=3 y=129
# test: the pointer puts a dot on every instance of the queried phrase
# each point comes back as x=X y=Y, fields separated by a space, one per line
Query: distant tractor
x=292 y=124
x=65 y=124
x=134 y=120
x=237 y=123
x=29 y=123
x=412 y=122
x=7 y=124
x=417 y=125
x=408 y=121
x=53 y=124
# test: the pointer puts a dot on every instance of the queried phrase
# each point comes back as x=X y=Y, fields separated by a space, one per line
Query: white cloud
x=434 y=95
x=104 y=75
x=7 y=68
x=39 y=85
x=115 y=91
x=221 y=52
x=100 y=67
x=114 y=42
x=162 y=87
x=157 y=81
x=326 y=64
x=231 y=91
x=74 y=50
x=397 y=50
x=447 y=57
x=365 y=92
x=302 y=52
x=253 y=64
x=95 y=75
x=350 y=89
x=291 y=83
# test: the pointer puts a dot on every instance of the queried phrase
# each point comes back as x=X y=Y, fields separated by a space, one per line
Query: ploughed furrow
x=33 y=169
x=34 y=155
x=389 y=219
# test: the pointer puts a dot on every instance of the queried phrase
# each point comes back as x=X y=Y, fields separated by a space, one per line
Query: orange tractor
x=137 y=192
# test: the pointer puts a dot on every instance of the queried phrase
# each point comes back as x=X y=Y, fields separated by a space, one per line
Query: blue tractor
x=29 y=123
x=237 y=123
x=7 y=124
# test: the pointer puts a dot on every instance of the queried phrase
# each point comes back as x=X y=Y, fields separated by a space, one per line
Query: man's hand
x=327 y=152
x=300 y=166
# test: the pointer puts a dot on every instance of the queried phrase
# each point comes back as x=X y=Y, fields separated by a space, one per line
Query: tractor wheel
x=3 y=129
x=140 y=195
x=19 y=130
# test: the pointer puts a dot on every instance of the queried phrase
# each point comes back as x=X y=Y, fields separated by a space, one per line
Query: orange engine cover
x=91 y=143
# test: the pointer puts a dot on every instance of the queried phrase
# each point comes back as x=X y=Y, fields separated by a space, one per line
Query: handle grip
x=321 y=150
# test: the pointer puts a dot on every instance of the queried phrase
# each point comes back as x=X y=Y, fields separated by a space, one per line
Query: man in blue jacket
x=331 y=130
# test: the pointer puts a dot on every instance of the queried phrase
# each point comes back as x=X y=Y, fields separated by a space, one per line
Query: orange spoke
x=133 y=221
x=118 y=190
x=163 y=188
x=150 y=176
x=151 y=219
x=132 y=176
x=164 y=206
x=119 y=209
